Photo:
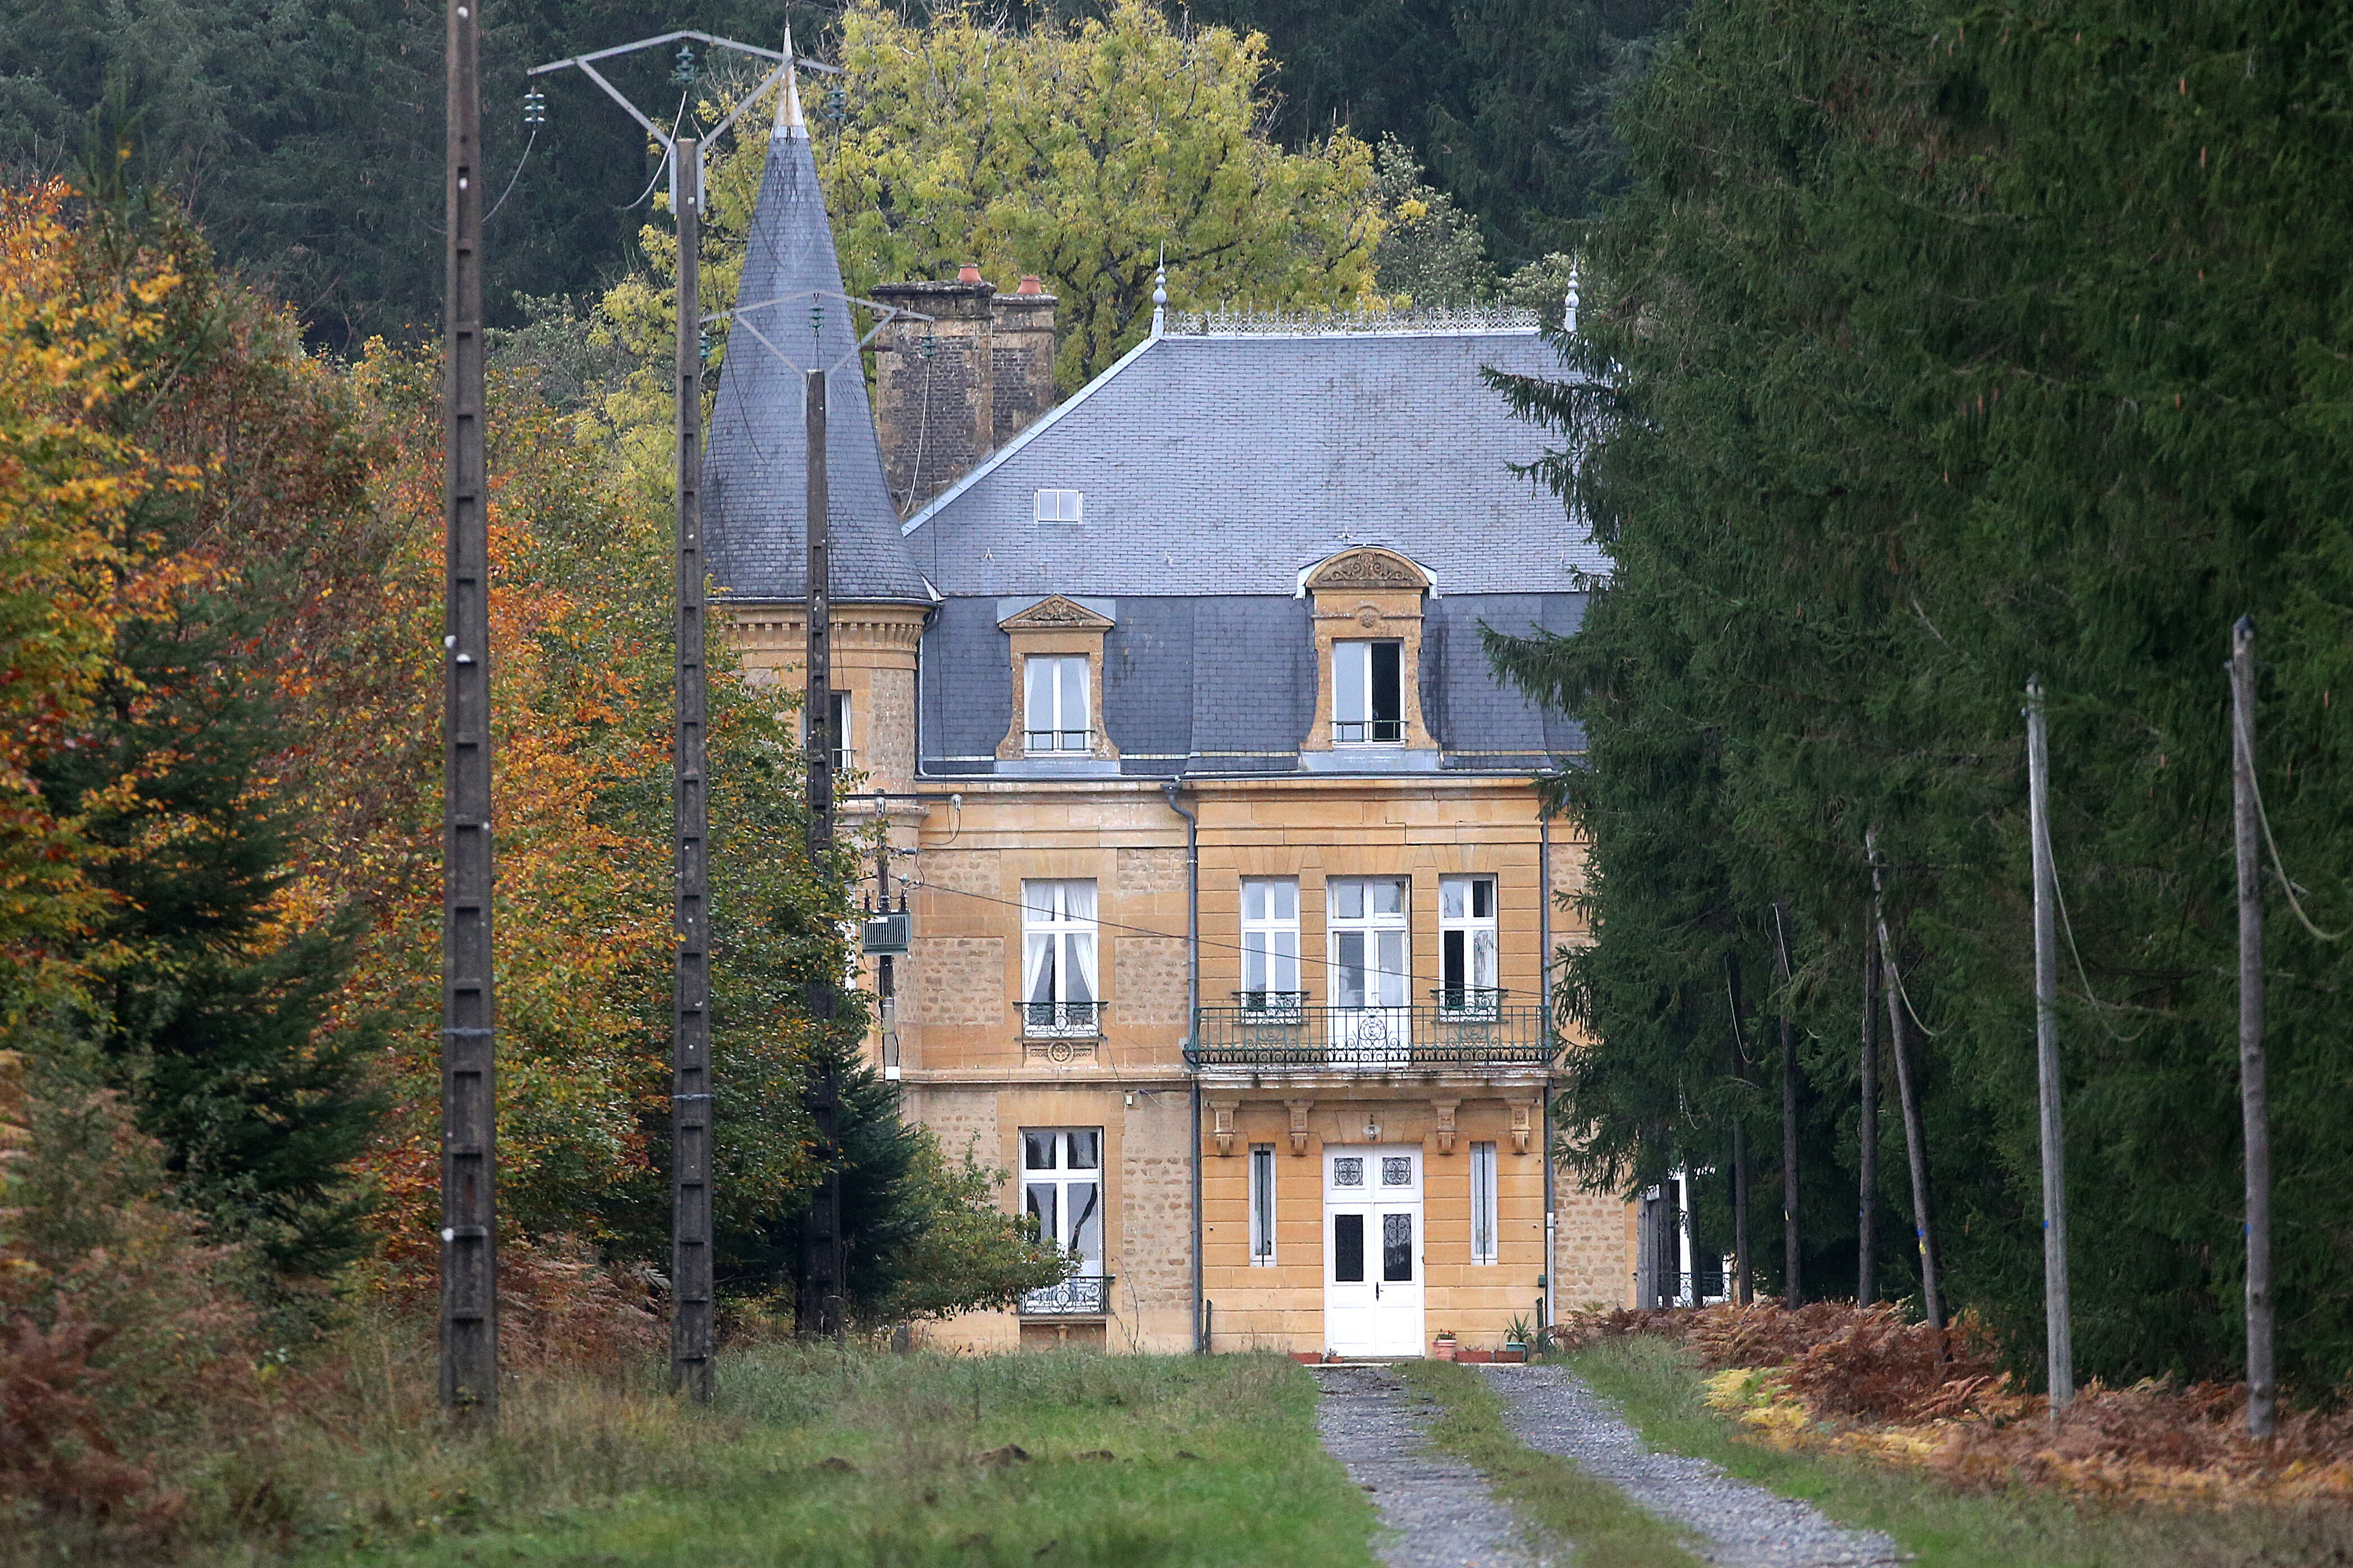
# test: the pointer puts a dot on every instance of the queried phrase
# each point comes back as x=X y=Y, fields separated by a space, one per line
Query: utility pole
x=1916 y=1145
x=886 y=999
x=693 y=1337
x=2056 y=1331
x=2254 y=1105
x=1793 y=1293
x=822 y=1264
x=1866 y=1127
x=694 y=1328
x=1744 y=1286
x=470 y=1263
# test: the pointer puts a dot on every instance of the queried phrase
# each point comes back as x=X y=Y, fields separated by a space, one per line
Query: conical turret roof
x=755 y=483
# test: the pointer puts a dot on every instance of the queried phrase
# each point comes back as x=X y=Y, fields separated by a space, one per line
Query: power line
x=1164 y=935
x=2245 y=743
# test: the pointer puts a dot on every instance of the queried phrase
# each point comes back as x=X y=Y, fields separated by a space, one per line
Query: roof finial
x=1568 y=312
x=790 y=123
x=1160 y=294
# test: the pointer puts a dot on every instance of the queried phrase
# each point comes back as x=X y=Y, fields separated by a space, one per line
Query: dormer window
x=1368 y=693
x=1061 y=506
x=1057 y=704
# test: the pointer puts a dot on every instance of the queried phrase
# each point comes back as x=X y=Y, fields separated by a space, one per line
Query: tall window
x=1482 y=1203
x=1466 y=944
x=1261 y=1204
x=1271 y=944
x=1061 y=1189
x=1367 y=934
x=842 y=750
x=1056 y=702
x=1057 y=958
x=1367 y=698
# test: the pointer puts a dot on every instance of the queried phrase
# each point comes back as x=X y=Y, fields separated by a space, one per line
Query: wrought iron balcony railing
x=1061 y=1020
x=1275 y=1006
x=1462 y=1002
x=1374 y=1039
x=1080 y=1296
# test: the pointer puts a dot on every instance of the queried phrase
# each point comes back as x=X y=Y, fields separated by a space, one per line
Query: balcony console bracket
x=1299 y=1110
x=1221 y=1125
x=1523 y=1125
x=1444 y=1129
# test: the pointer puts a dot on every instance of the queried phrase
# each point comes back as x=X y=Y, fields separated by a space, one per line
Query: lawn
x=826 y=1458
x=1657 y=1384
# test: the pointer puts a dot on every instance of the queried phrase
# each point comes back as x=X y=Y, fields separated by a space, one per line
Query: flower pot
x=1444 y=1350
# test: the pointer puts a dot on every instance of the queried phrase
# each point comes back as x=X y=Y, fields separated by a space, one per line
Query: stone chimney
x=950 y=390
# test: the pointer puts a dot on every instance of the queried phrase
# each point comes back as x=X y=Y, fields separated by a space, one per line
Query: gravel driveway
x=1436 y=1510
x=1739 y=1523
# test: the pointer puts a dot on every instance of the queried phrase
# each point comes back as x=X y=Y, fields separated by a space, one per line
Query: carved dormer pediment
x=1370 y=567
x=1056 y=613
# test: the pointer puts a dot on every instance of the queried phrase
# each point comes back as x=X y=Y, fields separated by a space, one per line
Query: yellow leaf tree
x=1076 y=151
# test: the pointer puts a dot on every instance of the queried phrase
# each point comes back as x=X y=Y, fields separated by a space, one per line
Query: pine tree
x=1923 y=358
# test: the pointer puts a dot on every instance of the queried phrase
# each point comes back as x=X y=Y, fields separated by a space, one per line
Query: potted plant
x=1516 y=1341
x=1442 y=1347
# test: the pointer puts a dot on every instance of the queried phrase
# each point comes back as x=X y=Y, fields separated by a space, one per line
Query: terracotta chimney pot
x=1030 y=284
x=968 y=273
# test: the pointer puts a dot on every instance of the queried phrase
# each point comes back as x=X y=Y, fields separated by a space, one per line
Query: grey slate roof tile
x=1215 y=469
x=754 y=494
x=1222 y=464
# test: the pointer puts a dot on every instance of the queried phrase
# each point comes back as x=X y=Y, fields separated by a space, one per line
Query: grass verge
x=827 y=1458
x=1595 y=1519
x=1657 y=1384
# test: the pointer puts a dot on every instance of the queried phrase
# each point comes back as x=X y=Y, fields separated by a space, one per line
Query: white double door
x=1373 y=1250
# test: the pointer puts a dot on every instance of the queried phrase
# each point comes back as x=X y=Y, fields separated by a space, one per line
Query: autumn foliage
x=1873 y=1382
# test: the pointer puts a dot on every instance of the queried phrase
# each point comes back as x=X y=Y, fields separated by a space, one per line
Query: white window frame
x=844 y=754
x=1468 y=947
x=1270 y=926
x=1262 y=1206
x=1354 y=718
x=1484 y=1248
x=1073 y=1190
x=1065 y=679
x=1383 y=954
x=1062 y=996
x=1059 y=506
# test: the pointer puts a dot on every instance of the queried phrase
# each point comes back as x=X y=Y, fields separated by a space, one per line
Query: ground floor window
x=1482 y=1203
x=1061 y=1189
x=1261 y=1204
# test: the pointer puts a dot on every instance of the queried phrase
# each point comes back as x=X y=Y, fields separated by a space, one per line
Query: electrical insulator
x=837 y=104
x=683 y=74
x=534 y=108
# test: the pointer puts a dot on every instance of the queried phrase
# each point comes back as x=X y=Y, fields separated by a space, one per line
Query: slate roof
x=754 y=494
x=1223 y=463
x=1226 y=684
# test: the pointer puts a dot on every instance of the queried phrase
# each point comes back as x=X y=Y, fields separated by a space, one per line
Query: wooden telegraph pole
x=470 y=1319
x=2056 y=1331
x=1793 y=1292
x=821 y=1260
x=1915 y=1143
x=2254 y=1105
x=693 y=1326
x=1866 y=1282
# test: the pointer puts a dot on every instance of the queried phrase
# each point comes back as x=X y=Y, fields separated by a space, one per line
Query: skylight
x=1061 y=506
